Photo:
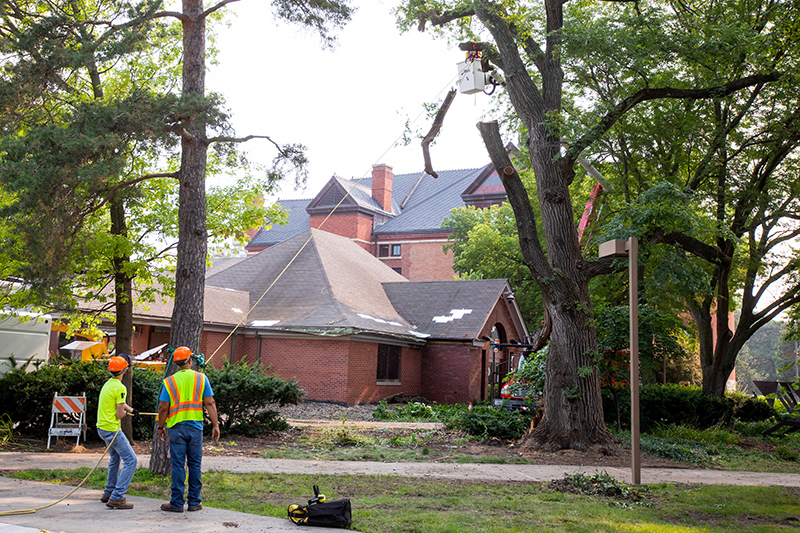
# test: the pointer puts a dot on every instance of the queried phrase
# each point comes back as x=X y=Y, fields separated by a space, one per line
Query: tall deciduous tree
x=526 y=44
x=711 y=183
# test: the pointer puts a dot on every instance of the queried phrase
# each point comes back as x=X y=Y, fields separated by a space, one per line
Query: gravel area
x=326 y=411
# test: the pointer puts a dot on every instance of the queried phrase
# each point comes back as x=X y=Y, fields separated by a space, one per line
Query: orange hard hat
x=117 y=363
x=181 y=353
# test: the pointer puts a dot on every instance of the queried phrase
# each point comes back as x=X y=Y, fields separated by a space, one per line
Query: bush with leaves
x=489 y=422
x=242 y=394
x=146 y=388
x=680 y=405
x=27 y=397
x=528 y=378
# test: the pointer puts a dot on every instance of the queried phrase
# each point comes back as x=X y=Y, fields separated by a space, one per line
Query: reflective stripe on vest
x=185 y=389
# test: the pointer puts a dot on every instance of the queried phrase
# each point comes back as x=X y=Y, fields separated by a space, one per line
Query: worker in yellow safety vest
x=111 y=409
x=180 y=409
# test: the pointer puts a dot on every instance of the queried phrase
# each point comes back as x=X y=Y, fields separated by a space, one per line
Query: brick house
x=397 y=219
x=346 y=326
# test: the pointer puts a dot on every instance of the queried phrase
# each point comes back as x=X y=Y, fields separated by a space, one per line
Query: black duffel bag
x=322 y=513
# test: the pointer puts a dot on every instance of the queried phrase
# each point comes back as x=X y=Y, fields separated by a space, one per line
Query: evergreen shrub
x=242 y=394
x=667 y=404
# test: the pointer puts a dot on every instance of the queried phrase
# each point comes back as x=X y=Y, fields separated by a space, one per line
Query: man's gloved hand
x=135 y=412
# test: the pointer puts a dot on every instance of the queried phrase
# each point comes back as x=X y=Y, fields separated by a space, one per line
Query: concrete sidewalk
x=478 y=471
x=83 y=513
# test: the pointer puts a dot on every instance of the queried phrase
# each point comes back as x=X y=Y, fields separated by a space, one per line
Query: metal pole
x=633 y=262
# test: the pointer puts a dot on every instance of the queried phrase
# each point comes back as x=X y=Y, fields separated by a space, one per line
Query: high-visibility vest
x=185 y=389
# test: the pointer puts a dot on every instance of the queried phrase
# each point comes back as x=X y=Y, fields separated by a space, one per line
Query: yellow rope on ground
x=34 y=509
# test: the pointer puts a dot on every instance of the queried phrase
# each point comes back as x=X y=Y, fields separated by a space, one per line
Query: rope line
x=34 y=509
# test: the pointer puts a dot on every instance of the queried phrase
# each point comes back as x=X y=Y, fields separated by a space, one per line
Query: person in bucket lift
x=111 y=409
x=180 y=409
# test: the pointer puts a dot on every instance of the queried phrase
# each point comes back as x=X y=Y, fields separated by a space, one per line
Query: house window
x=388 y=363
x=395 y=250
x=383 y=250
x=399 y=270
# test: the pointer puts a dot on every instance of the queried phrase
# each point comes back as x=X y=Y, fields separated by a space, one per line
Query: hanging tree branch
x=437 y=125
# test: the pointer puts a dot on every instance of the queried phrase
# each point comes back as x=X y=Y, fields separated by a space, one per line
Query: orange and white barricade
x=68 y=417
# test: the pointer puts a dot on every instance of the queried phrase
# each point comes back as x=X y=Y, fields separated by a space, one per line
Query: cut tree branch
x=647 y=94
x=437 y=125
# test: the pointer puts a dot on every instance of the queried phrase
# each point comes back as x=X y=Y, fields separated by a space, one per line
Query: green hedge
x=241 y=393
x=680 y=405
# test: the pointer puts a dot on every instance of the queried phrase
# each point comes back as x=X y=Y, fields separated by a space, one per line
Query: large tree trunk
x=573 y=410
x=186 y=328
x=573 y=414
x=123 y=294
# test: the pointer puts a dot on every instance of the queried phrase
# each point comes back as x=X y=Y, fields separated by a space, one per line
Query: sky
x=348 y=106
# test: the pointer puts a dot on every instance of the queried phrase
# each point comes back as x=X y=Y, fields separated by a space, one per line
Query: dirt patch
x=311 y=421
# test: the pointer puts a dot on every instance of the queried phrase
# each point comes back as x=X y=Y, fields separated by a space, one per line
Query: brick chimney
x=382 y=177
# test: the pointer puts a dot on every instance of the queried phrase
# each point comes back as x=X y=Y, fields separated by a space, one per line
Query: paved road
x=83 y=512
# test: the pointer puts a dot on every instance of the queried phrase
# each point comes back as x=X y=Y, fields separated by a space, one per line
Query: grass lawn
x=399 y=504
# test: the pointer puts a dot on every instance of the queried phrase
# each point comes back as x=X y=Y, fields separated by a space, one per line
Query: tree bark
x=573 y=413
x=186 y=327
x=123 y=294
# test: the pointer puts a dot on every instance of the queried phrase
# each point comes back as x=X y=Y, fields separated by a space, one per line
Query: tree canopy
x=641 y=54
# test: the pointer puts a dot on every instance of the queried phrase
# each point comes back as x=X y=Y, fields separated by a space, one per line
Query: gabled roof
x=456 y=309
x=420 y=202
x=348 y=196
x=317 y=282
x=426 y=200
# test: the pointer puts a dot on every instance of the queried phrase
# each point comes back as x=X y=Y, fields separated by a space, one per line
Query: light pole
x=630 y=248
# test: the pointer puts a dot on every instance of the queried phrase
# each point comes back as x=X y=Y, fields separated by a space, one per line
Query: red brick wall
x=353 y=226
x=363 y=386
x=421 y=258
x=448 y=372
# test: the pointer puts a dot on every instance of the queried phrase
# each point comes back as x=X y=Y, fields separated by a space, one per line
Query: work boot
x=196 y=507
x=168 y=507
x=119 y=504
x=105 y=497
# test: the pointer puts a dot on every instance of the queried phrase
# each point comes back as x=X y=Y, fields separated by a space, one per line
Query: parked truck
x=24 y=336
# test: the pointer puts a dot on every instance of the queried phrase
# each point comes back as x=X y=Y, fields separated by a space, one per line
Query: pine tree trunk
x=187 y=315
x=123 y=294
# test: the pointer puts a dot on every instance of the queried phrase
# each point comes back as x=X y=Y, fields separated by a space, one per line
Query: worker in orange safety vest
x=180 y=409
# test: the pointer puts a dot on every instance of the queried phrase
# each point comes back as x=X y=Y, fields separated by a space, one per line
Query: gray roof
x=297 y=221
x=317 y=282
x=428 y=200
x=456 y=309
x=420 y=203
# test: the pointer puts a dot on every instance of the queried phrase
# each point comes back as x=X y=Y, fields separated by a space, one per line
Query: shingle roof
x=429 y=200
x=456 y=309
x=327 y=284
x=426 y=201
x=298 y=221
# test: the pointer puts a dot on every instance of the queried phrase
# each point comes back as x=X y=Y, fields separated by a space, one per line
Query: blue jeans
x=120 y=450
x=185 y=448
